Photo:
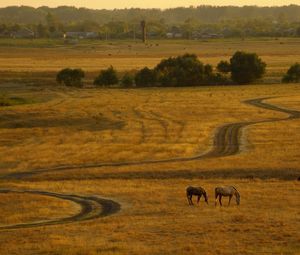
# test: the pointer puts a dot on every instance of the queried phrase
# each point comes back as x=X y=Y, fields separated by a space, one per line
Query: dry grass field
x=40 y=59
x=141 y=148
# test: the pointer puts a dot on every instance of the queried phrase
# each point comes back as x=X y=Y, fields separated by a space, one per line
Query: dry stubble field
x=68 y=141
x=39 y=60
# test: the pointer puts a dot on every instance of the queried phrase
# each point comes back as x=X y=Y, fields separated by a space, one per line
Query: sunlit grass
x=156 y=219
x=68 y=126
x=46 y=56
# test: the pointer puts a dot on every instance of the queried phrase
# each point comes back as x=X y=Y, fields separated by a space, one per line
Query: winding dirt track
x=91 y=208
x=226 y=143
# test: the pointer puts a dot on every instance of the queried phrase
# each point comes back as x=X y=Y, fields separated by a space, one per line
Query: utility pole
x=143 y=26
x=134 y=33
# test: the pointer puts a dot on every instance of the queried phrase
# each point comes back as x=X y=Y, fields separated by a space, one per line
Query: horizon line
x=150 y=8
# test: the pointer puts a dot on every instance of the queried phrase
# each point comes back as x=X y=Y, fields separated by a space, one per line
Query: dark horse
x=227 y=191
x=195 y=191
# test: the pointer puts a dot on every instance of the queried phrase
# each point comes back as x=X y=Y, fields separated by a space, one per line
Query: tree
x=127 y=80
x=144 y=34
x=145 y=78
x=70 y=77
x=185 y=70
x=293 y=74
x=298 y=31
x=42 y=31
x=246 y=67
x=107 y=77
x=3 y=28
x=208 y=70
x=224 y=67
x=51 y=22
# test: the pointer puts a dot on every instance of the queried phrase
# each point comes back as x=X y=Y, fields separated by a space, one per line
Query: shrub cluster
x=127 y=80
x=145 y=78
x=244 y=67
x=293 y=74
x=107 y=77
x=70 y=77
x=184 y=70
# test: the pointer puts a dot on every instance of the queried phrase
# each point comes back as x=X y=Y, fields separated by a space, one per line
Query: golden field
x=63 y=137
x=39 y=59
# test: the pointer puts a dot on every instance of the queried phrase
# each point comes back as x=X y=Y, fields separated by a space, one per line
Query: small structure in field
x=144 y=34
x=81 y=35
x=23 y=33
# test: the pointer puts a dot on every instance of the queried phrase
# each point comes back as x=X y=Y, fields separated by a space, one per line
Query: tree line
x=185 y=70
x=205 y=14
x=187 y=23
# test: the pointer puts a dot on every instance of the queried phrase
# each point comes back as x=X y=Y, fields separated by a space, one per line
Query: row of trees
x=202 y=14
x=185 y=70
x=53 y=24
x=157 y=29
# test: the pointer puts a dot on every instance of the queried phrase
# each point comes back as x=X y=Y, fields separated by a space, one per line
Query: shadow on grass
x=36 y=120
x=250 y=174
x=10 y=101
x=283 y=174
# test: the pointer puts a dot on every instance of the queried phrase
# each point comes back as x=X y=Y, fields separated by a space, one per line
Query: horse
x=195 y=191
x=227 y=191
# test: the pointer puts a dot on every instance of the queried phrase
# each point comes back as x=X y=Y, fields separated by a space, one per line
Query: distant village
x=26 y=33
x=151 y=30
x=193 y=23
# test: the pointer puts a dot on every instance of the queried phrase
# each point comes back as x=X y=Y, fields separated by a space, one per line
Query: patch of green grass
x=10 y=101
x=31 y=43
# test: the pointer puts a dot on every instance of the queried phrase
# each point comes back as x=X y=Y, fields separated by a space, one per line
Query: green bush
x=70 y=77
x=208 y=70
x=224 y=67
x=127 y=80
x=293 y=74
x=145 y=78
x=107 y=77
x=217 y=79
x=184 y=70
x=246 y=67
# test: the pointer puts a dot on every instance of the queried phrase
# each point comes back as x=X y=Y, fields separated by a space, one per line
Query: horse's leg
x=198 y=199
x=229 y=200
x=188 y=198
x=191 y=197
x=216 y=199
x=220 y=200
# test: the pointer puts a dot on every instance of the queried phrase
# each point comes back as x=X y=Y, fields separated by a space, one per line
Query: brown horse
x=195 y=191
x=227 y=191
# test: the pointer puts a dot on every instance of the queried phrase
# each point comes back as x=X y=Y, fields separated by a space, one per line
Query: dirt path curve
x=91 y=208
x=226 y=143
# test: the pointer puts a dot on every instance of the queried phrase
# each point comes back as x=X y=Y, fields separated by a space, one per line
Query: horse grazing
x=227 y=191
x=195 y=191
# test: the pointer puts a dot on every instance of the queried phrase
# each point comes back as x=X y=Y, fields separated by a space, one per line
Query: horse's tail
x=188 y=191
x=216 y=192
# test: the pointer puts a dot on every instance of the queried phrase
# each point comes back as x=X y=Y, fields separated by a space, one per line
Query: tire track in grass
x=226 y=143
x=91 y=208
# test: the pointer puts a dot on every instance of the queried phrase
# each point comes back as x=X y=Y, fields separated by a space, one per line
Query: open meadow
x=104 y=171
x=40 y=59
